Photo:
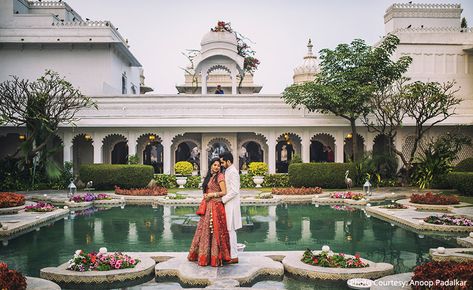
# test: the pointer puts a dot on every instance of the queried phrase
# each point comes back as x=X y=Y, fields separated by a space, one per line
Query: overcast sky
x=159 y=30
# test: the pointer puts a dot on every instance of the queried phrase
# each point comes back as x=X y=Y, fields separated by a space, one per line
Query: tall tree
x=40 y=106
x=349 y=75
x=423 y=104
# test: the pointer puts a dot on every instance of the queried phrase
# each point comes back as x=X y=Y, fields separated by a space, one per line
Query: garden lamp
x=367 y=188
x=72 y=189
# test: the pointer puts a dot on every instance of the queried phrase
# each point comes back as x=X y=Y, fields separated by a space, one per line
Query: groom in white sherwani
x=232 y=202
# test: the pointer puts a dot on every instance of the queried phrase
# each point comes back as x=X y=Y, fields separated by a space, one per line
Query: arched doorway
x=82 y=150
x=250 y=151
x=348 y=147
x=188 y=151
x=216 y=149
x=10 y=143
x=287 y=145
x=153 y=155
x=382 y=145
x=120 y=153
x=322 y=148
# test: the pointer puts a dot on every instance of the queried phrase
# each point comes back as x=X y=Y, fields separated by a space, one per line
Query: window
x=124 y=90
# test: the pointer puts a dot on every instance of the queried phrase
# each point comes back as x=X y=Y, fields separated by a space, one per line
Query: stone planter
x=293 y=265
x=11 y=210
x=258 y=180
x=181 y=181
x=100 y=279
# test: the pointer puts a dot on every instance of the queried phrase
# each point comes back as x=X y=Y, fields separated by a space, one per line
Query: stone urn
x=258 y=180
x=241 y=247
x=181 y=181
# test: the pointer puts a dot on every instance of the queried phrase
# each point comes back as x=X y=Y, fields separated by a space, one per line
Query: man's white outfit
x=232 y=207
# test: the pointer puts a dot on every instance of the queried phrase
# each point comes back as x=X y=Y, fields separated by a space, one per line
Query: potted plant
x=182 y=168
x=258 y=170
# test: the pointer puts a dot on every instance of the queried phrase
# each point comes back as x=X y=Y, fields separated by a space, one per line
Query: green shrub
x=258 y=168
x=183 y=168
x=325 y=175
x=169 y=181
x=276 y=180
x=192 y=182
x=107 y=176
x=461 y=181
x=296 y=158
x=246 y=181
x=466 y=165
x=165 y=180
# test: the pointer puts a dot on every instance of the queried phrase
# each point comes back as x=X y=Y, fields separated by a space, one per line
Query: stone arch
x=150 y=151
x=216 y=146
x=253 y=153
x=115 y=148
x=382 y=145
x=82 y=150
x=9 y=143
x=192 y=153
x=218 y=67
x=347 y=148
x=287 y=144
x=322 y=148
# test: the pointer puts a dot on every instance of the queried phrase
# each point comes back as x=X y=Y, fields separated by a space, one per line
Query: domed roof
x=310 y=66
x=222 y=37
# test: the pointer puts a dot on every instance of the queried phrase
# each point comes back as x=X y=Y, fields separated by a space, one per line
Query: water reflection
x=293 y=227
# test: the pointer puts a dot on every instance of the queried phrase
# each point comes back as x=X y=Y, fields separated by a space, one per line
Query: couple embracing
x=215 y=240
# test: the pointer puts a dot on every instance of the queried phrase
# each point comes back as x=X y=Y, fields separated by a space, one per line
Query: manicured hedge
x=325 y=175
x=107 y=176
x=466 y=165
x=461 y=181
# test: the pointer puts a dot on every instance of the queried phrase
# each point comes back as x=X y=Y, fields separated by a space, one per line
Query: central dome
x=212 y=40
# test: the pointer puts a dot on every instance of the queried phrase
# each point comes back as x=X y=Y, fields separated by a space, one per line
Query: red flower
x=357 y=256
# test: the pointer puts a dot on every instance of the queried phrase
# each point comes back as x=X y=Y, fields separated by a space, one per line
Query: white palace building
x=191 y=125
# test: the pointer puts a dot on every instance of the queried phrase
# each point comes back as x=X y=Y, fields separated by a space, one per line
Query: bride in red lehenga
x=211 y=243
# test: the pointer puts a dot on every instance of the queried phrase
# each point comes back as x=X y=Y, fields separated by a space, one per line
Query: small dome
x=309 y=68
x=215 y=37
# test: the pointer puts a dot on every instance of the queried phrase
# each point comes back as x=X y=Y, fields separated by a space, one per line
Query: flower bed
x=296 y=190
x=327 y=259
x=343 y=208
x=101 y=261
x=395 y=206
x=430 y=198
x=40 y=207
x=147 y=191
x=11 y=279
x=347 y=195
x=434 y=273
x=10 y=199
x=448 y=220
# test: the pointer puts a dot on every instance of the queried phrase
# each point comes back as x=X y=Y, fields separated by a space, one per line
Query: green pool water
x=282 y=227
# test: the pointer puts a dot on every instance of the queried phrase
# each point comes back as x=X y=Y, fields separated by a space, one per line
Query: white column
x=234 y=83
x=132 y=143
x=68 y=147
x=167 y=232
x=98 y=147
x=306 y=235
x=98 y=231
x=305 y=144
x=271 y=236
x=204 y=81
x=167 y=154
x=339 y=142
x=132 y=234
x=203 y=156
x=271 y=154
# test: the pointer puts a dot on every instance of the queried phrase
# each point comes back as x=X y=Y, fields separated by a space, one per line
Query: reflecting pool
x=273 y=228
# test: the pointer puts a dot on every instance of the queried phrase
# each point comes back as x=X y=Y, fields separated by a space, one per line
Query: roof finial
x=309 y=49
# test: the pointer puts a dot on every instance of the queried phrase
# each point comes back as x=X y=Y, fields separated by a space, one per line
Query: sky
x=159 y=31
